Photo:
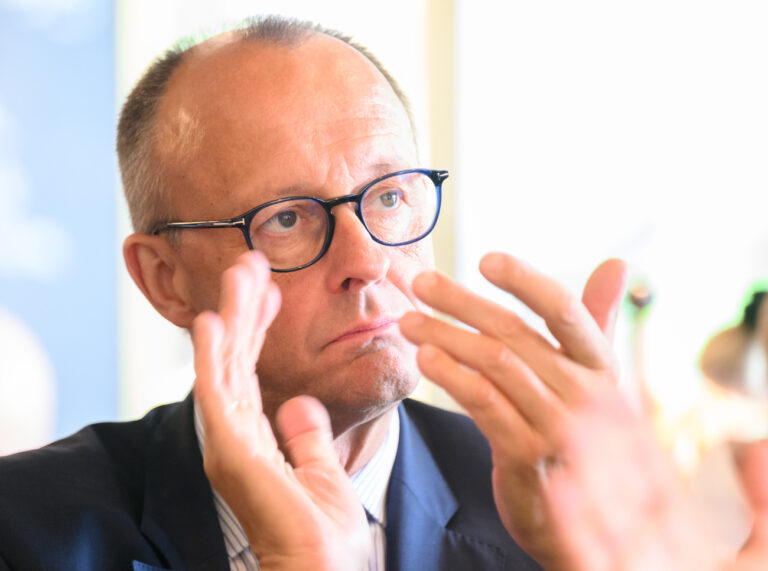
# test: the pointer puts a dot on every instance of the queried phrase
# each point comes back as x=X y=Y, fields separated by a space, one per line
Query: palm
x=296 y=515
x=520 y=388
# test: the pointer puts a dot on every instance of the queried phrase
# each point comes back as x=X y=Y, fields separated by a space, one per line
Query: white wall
x=593 y=129
x=583 y=130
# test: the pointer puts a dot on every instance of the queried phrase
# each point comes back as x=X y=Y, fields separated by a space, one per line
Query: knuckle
x=568 y=311
x=560 y=433
x=484 y=395
x=498 y=358
x=509 y=328
x=580 y=389
x=531 y=449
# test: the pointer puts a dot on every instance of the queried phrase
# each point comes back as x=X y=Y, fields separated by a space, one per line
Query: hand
x=520 y=389
x=752 y=464
x=298 y=515
x=618 y=503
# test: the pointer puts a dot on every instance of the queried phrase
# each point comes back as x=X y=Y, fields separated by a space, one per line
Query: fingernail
x=493 y=262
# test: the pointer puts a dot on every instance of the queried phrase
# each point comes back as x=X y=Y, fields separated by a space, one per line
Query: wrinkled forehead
x=228 y=91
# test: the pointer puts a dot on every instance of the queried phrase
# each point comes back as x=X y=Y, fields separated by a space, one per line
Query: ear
x=153 y=265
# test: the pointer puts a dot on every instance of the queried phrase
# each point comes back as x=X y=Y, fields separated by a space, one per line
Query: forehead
x=248 y=115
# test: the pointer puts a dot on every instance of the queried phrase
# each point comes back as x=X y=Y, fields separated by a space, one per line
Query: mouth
x=367 y=330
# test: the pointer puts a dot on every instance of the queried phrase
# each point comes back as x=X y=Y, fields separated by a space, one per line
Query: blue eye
x=389 y=199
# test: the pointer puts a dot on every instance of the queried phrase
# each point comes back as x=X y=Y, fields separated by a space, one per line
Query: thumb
x=305 y=428
x=757 y=543
x=603 y=293
x=752 y=464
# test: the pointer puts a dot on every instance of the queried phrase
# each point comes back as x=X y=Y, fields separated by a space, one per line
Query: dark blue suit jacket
x=134 y=496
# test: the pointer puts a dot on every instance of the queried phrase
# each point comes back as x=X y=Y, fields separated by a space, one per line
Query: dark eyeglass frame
x=243 y=221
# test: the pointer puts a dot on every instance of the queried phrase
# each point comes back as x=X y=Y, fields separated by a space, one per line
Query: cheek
x=295 y=310
x=204 y=256
x=420 y=253
x=409 y=262
x=203 y=285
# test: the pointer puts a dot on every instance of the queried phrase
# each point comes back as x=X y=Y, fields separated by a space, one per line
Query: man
x=290 y=141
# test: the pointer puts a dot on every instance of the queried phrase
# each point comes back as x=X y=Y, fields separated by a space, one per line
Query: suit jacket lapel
x=179 y=516
x=420 y=506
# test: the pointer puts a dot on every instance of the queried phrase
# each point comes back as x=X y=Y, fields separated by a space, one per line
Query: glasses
x=396 y=209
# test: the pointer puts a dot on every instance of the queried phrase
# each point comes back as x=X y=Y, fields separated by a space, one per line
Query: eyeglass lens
x=396 y=210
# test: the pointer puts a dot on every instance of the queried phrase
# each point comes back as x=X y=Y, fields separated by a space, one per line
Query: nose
x=354 y=260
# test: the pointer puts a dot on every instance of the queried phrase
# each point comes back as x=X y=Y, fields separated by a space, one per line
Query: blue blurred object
x=58 y=195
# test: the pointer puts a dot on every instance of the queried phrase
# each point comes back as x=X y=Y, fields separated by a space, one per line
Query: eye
x=287 y=219
x=389 y=199
x=282 y=221
x=384 y=200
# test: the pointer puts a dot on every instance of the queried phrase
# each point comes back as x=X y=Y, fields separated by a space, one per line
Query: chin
x=367 y=384
x=373 y=384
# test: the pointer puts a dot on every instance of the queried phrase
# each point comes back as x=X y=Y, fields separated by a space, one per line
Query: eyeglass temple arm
x=239 y=223
x=440 y=176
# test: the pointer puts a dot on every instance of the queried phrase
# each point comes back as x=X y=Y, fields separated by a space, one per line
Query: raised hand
x=618 y=503
x=298 y=515
x=752 y=463
x=520 y=389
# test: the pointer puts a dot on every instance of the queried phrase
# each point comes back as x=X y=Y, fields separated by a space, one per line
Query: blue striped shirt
x=370 y=484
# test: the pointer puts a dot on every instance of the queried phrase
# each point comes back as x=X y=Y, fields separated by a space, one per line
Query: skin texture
x=314 y=119
x=298 y=515
x=521 y=390
x=618 y=503
x=317 y=119
x=244 y=123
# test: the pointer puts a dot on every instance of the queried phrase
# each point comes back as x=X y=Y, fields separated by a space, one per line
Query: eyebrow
x=375 y=171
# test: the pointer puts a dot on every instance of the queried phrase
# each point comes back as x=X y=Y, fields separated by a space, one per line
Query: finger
x=449 y=297
x=242 y=289
x=755 y=549
x=495 y=361
x=565 y=316
x=305 y=428
x=270 y=306
x=752 y=465
x=503 y=425
x=207 y=338
x=266 y=294
x=238 y=315
x=603 y=293
x=565 y=376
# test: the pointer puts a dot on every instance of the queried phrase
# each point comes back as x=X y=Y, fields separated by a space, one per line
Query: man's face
x=264 y=122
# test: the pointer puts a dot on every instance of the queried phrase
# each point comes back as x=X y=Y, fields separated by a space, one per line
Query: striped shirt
x=370 y=484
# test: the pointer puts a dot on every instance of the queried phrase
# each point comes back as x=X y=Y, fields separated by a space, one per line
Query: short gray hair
x=141 y=171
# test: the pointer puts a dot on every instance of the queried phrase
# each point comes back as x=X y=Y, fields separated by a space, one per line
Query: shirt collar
x=370 y=483
x=372 y=480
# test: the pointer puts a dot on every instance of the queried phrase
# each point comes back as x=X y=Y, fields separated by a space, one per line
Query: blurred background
x=574 y=132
